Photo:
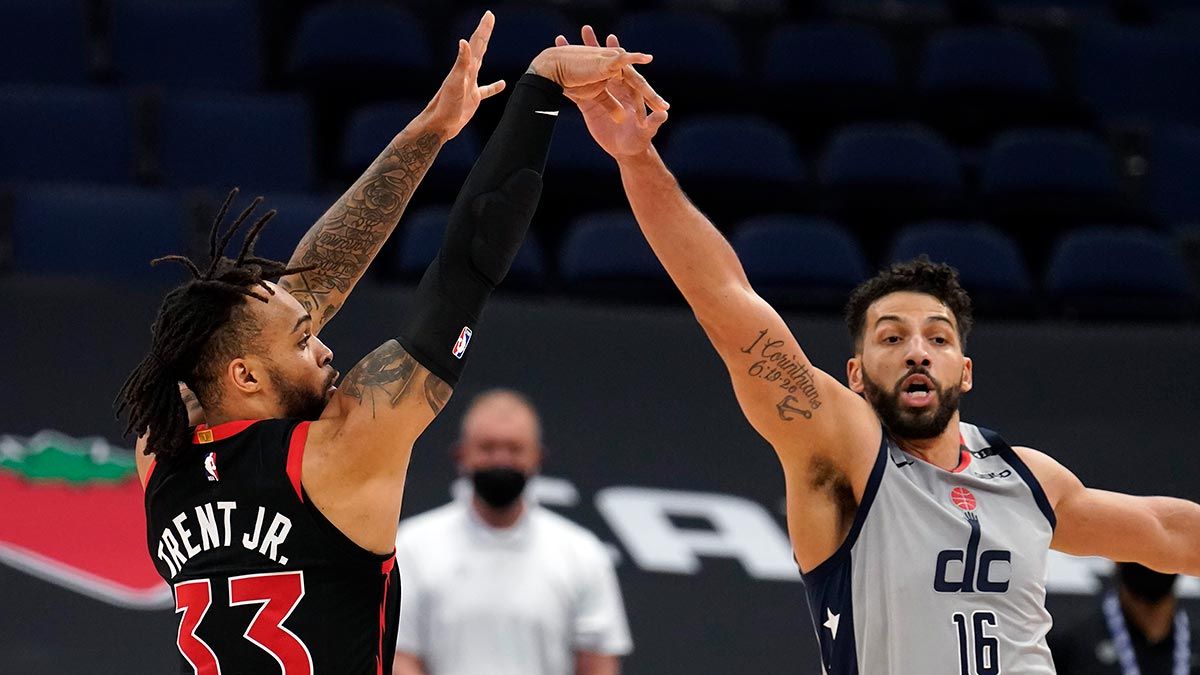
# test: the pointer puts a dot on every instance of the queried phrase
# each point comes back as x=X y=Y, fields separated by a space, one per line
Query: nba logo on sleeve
x=210 y=466
x=460 y=345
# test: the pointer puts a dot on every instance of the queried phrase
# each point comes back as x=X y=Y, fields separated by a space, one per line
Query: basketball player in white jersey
x=922 y=539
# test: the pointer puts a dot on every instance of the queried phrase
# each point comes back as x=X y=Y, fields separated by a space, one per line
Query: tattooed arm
x=346 y=239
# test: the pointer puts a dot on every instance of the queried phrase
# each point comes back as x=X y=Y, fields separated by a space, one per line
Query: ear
x=854 y=374
x=968 y=375
x=245 y=375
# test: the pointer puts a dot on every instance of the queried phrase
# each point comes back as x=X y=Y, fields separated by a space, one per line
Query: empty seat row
x=113 y=233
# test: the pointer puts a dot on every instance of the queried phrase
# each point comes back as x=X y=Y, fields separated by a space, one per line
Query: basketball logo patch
x=460 y=345
x=210 y=466
x=963 y=498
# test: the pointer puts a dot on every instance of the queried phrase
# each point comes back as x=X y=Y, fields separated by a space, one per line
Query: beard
x=908 y=423
x=303 y=403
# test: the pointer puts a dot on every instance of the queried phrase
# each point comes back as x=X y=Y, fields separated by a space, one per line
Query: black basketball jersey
x=263 y=582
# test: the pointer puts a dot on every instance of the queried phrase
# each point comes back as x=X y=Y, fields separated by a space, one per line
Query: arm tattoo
x=792 y=373
x=345 y=240
x=385 y=375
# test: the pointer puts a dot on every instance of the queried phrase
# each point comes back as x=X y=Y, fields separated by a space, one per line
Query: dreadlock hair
x=919 y=275
x=200 y=324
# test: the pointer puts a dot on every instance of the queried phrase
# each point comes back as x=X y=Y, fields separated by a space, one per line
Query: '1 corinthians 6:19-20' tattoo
x=385 y=375
x=790 y=372
x=346 y=239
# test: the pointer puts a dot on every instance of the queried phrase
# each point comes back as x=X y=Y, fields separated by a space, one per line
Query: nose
x=324 y=353
x=917 y=353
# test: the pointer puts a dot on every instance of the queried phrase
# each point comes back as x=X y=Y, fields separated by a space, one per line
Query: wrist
x=639 y=160
x=424 y=123
x=542 y=65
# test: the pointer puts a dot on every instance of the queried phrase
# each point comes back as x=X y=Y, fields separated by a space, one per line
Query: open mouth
x=917 y=391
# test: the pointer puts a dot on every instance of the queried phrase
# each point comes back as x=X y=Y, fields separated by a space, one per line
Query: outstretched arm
x=1162 y=533
x=346 y=239
x=794 y=405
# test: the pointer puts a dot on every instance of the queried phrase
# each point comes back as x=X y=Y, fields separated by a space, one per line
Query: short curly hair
x=917 y=276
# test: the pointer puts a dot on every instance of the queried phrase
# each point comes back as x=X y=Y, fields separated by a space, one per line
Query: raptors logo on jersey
x=950 y=565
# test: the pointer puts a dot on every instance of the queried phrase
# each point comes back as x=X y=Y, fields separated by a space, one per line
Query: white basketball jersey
x=943 y=572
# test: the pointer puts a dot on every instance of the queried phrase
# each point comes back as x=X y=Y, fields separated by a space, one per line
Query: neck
x=943 y=451
x=1153 y=619
x=500 y=518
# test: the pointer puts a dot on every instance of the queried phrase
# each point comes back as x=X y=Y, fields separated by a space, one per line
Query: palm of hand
x=627 y=133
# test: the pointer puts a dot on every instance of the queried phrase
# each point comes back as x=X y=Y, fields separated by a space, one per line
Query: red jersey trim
x=206 y=434
x=295 y=457
x=963 y=462
x=386 y=567
x=149 y=473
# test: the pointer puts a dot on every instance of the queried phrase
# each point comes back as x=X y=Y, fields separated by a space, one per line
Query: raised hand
x=585 y=70
x=617 y=117
x=458 y=98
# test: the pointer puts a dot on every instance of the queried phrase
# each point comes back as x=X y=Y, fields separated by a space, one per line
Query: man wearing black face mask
x=1139 y=630
x=496 y=584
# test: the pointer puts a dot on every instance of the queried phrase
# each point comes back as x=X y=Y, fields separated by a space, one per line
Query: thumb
x=655 y=120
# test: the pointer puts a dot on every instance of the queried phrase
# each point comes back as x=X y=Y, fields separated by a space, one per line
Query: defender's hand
x=583 y=71
x=458 y=98
x=629 y=131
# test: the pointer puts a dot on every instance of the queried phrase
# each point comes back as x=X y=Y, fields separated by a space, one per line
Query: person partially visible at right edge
x=1137 y=627
x=922 y=539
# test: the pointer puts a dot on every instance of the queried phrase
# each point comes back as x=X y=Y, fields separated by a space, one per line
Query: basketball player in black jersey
x=275 y=522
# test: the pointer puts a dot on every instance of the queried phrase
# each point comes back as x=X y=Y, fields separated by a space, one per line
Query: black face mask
x=499 y=487
x=1145 y=583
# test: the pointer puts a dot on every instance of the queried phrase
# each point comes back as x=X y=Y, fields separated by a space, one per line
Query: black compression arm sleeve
x=487 y=224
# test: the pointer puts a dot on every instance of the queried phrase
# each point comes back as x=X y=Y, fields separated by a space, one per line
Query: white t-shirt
x=518 y=601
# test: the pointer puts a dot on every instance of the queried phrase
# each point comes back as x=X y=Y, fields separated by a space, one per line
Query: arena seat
x=1174 y=174
x=109 y=233
x=296 y=214
x=734 y=166
x=605 y=254
x=261 y=143
x=1120 y=273
x=800 y=262
x=1139 y=76
x=196 y=44
x=43 y=42
x=66 y=134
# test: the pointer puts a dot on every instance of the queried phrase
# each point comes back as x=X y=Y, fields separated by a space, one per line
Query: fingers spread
x=635 y=57
x=612 y=41
x=643 y=88
x=482 y=34
x=615 y=110
x=561 y=41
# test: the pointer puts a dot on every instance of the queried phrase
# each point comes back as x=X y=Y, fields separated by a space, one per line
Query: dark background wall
x=631 y=397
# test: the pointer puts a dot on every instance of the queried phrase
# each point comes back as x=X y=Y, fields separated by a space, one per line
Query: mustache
x=333 y=376
x=917 y=370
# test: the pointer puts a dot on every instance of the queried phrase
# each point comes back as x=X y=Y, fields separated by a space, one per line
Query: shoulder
x=568 y=535
x=1056 y=480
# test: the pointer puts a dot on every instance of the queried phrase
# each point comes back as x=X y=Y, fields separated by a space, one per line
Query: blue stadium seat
x=836 y=73
x=986 y=259
x=1173 y=187
x=198 y=44
x=695 y=54
x=261 y=143
x=605 y=253
x=65 y=134
x=371 y=128
x=521 y=33
x=421 y=239
x=340 y=37
x=735 y=165
x=975 y=81
x=574 y=150
x=110 y=233
x=797 y=261
x=296 y=213
x=989 y=263
x=1120 y=273
x=43 y=42
x=673 y=37
x=875 y=173
x=829 y=55
x=1041 y=181
x=1138 y=76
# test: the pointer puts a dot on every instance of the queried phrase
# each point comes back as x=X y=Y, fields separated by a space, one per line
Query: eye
x=892 y=339
x=941 y=340
x=304 y=342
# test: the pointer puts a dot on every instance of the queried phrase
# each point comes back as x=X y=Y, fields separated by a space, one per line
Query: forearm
x=591 y=663
x=346 y=239
x=485 y=229
x=696 y=256
x=1180 y=520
